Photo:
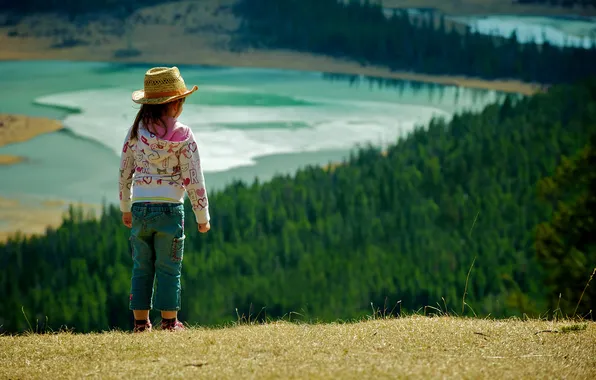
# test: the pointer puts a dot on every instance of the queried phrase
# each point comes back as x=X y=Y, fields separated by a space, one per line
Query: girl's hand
x=204 y=227
x=127 y=219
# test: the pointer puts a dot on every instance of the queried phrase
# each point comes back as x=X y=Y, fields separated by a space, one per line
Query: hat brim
x=139 y=97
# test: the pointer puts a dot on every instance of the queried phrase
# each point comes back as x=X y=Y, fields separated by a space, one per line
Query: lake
x=249 y=122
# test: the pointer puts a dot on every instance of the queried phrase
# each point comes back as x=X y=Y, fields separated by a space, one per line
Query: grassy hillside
x=414 y=347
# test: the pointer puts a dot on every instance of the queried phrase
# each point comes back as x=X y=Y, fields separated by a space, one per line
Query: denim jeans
x=157 y=242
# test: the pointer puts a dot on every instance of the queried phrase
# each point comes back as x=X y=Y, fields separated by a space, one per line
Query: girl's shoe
x=142 y=326
x=172 y=325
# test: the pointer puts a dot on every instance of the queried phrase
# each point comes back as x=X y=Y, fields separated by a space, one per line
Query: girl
x=160 y=161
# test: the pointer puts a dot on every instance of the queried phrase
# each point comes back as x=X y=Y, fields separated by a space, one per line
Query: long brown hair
x=151 y=114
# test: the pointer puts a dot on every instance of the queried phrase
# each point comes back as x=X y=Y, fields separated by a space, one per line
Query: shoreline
x=28 y=217
x=10 y=160
x=290 y=60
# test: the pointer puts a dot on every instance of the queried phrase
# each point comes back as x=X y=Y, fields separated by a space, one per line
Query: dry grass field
x=411 y=347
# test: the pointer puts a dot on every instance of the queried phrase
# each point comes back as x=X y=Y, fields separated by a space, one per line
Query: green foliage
x=360 y=31
x=566 y=245
x=382 y=228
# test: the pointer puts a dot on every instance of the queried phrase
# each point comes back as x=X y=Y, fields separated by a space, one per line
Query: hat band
x=155 y=95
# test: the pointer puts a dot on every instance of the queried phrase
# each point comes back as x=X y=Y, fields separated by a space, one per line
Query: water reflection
x=434 y=91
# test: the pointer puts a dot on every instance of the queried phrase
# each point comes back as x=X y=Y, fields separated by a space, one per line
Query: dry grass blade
x=463 y=300
x=546 y=331
x=195 y=365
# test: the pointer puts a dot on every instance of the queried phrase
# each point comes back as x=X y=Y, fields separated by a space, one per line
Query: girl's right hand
x=204 y=227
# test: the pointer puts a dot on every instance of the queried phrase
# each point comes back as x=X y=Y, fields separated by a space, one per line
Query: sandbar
x=19 y=128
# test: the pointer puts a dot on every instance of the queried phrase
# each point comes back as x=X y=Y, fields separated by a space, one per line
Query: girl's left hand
x=127 y=219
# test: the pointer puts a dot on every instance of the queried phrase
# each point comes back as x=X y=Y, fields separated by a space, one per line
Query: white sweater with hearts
x=157 y=169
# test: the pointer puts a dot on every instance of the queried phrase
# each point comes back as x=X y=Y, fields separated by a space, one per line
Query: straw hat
x=162 y=85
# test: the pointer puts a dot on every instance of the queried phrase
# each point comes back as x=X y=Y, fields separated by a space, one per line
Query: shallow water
x=249 y=122
x=554 y=30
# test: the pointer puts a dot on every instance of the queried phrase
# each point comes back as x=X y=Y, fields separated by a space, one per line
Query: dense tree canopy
x=567 y=243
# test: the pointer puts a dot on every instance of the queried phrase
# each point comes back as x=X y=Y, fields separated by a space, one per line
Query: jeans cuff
x=139 y=306
x=177 y=308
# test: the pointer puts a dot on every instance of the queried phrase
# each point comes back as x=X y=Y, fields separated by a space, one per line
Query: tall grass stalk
x=584 y=291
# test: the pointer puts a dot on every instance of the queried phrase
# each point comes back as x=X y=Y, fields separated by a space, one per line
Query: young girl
x=160 y=161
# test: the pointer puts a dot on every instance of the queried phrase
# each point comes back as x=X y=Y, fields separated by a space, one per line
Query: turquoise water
x=578 y=31
x=249 y=122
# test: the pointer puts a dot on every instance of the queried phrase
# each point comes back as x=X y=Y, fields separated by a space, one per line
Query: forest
x=504 y=195
x=360 y=31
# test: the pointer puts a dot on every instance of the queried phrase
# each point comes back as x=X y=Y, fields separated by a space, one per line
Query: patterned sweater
x=161 y=169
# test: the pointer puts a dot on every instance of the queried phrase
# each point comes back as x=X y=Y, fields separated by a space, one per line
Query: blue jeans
x=157 y=242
